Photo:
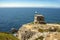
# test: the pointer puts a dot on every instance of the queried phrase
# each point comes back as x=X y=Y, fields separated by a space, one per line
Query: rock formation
x=38 y=30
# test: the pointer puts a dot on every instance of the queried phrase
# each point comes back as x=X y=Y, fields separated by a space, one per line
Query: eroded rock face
x=30 y=31
x=37 y=30
x=25 y=34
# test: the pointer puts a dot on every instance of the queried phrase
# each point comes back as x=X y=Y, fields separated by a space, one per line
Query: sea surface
x=16 y=17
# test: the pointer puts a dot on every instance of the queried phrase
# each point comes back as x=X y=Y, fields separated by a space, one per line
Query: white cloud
x=18 y=5
x=27 y=5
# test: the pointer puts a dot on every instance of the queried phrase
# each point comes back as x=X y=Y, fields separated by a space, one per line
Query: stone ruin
x=39 y=19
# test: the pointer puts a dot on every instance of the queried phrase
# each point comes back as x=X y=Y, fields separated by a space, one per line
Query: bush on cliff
x=7 y=36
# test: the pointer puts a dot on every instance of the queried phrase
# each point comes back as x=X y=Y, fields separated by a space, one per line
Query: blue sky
x=30 y=3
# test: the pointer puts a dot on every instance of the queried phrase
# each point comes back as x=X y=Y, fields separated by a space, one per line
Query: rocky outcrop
x=33 y=31
x=25 y=33
x=38 y=30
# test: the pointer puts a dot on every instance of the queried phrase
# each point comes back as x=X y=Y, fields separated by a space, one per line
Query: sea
x=16 y=17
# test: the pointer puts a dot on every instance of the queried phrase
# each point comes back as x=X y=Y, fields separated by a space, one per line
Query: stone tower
x=39 y=19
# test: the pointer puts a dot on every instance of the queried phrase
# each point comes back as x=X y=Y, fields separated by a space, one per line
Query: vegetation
x=7 y=36
x=39 y=38
x=43 y=30
x=58 y=30
x=32 y=22
x=40 y=30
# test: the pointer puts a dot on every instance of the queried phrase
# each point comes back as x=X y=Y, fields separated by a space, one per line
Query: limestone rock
x=39 y=29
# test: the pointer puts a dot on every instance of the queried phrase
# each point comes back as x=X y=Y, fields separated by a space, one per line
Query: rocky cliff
x=33 y=31
x=38 y=30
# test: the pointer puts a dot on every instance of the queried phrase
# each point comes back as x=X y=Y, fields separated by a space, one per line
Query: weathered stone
x=38 y=28
x=39 y=19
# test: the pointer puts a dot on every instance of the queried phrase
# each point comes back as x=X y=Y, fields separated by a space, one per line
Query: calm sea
x=16 y=17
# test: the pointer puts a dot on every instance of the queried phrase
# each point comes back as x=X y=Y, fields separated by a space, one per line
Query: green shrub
x=40 y=30
x=5 y=36
x=39 y=38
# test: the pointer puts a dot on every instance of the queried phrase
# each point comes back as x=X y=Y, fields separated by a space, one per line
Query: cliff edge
x=39 y=30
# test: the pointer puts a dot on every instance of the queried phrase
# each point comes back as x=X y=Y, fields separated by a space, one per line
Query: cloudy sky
x=30 y=3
